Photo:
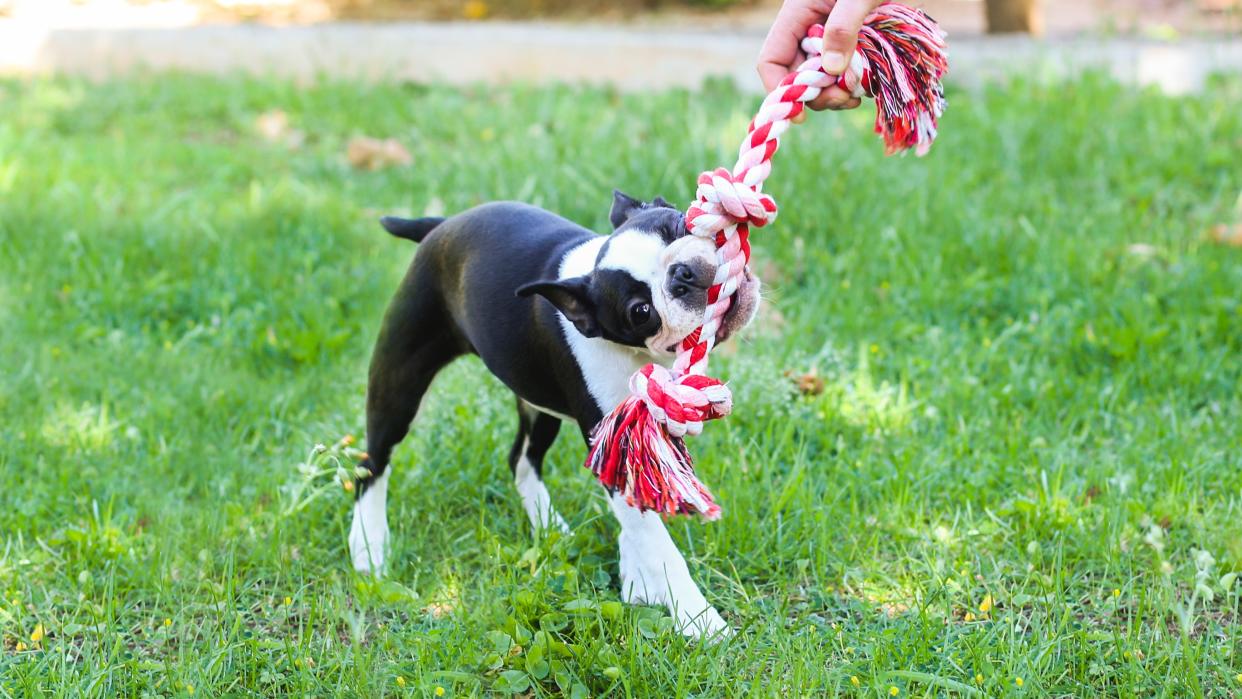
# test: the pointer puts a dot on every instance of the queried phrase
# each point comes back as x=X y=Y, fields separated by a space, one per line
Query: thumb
x=841 y=33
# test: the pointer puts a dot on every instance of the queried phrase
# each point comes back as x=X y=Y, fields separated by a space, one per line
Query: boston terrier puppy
x=563 y=317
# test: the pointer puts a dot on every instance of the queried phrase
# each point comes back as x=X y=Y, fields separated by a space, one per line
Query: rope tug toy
x=637 y=449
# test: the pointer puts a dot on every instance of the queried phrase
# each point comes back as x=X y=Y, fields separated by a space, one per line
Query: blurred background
x=1036 y=16
x=633 y=43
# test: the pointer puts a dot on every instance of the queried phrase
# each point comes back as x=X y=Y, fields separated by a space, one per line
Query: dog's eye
x=640 y=313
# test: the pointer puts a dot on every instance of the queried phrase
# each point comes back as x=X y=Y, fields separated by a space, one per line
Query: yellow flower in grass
x=189 y=689
x=20 y=646
x=167 y=622
x=400 y=681
x=855 y=681
x=893 y=691
x=978 y=678
x=1017 y=681
x=37 y=634
x=439 y=691
x=288 y=601
x=1116 y=592
x=986 y=605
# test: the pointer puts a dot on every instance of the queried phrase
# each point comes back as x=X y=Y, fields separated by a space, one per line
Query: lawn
x=986 y=439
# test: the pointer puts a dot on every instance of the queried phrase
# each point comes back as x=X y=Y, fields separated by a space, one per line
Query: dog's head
x=649 y=285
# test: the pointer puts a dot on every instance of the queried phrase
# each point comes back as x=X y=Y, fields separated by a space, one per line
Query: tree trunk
x=1005 y=16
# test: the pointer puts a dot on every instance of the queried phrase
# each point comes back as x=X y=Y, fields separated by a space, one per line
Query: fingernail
x=834 y=63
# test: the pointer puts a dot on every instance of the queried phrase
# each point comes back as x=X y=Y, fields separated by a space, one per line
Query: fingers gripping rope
x=637 y=449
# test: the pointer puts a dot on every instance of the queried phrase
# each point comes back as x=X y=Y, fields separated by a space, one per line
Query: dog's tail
x=414 y=229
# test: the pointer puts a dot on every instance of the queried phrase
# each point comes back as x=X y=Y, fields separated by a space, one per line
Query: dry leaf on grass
x=438 y=610
x=272 y=124
x=809 y=383
x=1227 y=234
x=366 y=153
x=273 y=127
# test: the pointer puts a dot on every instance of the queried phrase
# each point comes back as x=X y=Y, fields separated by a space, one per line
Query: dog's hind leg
x=536 y=432
x=407 y=357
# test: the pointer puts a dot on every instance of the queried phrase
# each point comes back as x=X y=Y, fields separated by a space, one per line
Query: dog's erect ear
x=570 y=298
x=661 y=203
x=623 y=207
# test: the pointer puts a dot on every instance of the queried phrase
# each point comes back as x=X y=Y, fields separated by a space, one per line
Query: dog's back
x=495 y=249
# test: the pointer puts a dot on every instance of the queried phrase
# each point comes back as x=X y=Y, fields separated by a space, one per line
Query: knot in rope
x=682 y=404
x=725 y=200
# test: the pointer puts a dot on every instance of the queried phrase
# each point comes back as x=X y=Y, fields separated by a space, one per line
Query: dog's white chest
x=606 y=366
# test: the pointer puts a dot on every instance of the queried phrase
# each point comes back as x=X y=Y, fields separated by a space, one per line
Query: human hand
x=782 y=50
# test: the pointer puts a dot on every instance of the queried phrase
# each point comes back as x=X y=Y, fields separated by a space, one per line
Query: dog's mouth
x=741 y=311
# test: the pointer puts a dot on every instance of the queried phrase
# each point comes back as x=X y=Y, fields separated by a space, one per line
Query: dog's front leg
x=654 y=572
x=368 y=535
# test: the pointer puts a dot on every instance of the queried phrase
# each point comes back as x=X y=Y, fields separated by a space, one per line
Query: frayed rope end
x=634 y=455
x=908 y=58
x=904 y=58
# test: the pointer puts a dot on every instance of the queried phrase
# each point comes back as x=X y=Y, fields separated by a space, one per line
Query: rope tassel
x=638 y=449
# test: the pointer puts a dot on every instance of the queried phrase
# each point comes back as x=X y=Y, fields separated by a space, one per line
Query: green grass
x=1019 y=403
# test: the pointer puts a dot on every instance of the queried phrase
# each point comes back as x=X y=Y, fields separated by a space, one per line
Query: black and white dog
x=563 y=317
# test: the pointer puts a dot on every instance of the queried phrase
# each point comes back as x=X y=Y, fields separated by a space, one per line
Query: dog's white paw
x=368 y=535
x=367 y=555
x=535 y=499
x=706 y=625
x=692 y=614
x=367 y=545
x=546 y=519
x=639 y=587
x=557 y=522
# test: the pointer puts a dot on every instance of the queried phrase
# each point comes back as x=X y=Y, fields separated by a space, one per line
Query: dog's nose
x=680 y=278
x=681 y=272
